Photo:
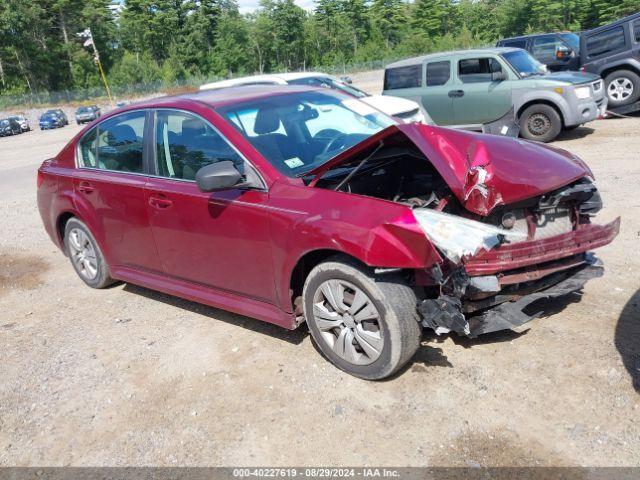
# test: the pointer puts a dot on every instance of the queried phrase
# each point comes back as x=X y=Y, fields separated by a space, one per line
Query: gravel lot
x=127 y=376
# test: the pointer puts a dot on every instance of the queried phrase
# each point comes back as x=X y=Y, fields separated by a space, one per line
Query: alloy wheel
x=348 y=321
x=620 y=89
x=82 y=253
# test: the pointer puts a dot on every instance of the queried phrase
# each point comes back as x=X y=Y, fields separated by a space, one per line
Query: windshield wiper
x=357 y=167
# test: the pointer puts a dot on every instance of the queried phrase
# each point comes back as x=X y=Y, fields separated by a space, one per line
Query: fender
x=378 y=233
x=70 y=202
x=522 y=97
x=624 y=63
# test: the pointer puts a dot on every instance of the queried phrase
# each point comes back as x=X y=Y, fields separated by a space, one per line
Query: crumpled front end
x=508 y=222
x=497 y=268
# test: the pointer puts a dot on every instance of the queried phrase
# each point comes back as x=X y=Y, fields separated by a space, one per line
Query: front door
x=478 y=97
x=110 y=184
x=221 y=239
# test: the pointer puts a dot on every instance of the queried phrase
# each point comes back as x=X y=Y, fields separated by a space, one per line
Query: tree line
x=170 y=40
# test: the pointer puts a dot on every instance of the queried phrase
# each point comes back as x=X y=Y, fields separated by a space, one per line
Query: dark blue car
x=50 y=120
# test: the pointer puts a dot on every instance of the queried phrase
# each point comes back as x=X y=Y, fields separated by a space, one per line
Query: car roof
x=226 y=96
x=535 y=35
x=613 y=24
x=433 y=56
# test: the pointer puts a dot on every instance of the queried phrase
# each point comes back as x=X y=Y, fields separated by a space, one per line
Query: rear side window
x=115 y=144
x=605 y=43
x=477 y=70
x=403 y=77
x=636 y=30
x=438 y=73
x=185 y=143
x=514 y=43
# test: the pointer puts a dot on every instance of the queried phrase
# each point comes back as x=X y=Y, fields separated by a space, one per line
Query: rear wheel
x=540 y=122
x=85 y=255
x=364 y=325
x=623 y=87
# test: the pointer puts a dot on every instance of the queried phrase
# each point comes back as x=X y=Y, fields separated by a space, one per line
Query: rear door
x=477 y=98
x=220 y=240
x=435 y=95
x=109 y=185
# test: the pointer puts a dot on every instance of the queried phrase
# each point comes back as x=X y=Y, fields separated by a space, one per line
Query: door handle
x=160 y=202
x=456 y=93
x=85 y=187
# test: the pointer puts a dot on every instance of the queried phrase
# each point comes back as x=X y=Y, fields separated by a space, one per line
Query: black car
x=558 y=51
x=9 y=126
x=611 y=51
x=87 y=114
x=59 y=113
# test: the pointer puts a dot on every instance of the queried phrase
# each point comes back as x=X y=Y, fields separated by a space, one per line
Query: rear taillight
x=40 y=178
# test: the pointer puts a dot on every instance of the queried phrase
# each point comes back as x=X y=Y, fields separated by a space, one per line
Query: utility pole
x=88 y=41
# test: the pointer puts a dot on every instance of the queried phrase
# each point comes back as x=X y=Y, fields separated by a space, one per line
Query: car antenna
x=355 y=170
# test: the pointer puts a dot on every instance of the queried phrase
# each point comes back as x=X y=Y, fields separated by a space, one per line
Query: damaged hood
x=482 y=171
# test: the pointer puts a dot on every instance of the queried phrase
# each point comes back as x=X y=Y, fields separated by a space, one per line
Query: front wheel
x=364 y=325
x=540 y=122
x=623 y=87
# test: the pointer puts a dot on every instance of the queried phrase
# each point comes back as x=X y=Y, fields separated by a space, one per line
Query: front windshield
x=84 y=110
x=524 y=64
x=572 y=40
x=328 y=82
x=300 y=131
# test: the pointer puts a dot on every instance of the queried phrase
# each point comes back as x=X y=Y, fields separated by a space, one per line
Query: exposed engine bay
x=399 y=174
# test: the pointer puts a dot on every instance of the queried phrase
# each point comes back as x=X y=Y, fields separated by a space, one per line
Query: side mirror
x=221 y=175
x=498 y=76
x=563 y=53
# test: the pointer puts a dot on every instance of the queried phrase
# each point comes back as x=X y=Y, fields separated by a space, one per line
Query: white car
x=406 y=110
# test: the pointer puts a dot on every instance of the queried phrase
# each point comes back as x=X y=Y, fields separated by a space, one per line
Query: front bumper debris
x=445 y=313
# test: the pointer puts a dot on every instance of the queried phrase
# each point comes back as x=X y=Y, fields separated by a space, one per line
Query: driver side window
x=185 y=143
x=477 y=70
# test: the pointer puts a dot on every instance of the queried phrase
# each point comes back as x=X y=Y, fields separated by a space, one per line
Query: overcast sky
x=247 y=6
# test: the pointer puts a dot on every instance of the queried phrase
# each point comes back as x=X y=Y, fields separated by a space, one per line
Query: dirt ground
x=127 y=376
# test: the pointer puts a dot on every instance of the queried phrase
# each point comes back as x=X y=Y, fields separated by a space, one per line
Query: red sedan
x=293 y=204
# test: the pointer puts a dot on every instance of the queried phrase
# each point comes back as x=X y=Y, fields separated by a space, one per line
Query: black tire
x=102 y=278
x=625 y=76
x=394 y=300
x=540 y=122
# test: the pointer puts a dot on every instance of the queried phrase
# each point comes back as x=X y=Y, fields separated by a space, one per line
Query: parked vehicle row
x=611 y=51
x=295 y=204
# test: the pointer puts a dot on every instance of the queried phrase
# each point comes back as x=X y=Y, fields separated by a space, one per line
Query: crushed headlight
x=457 y=237
x=583 y=92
